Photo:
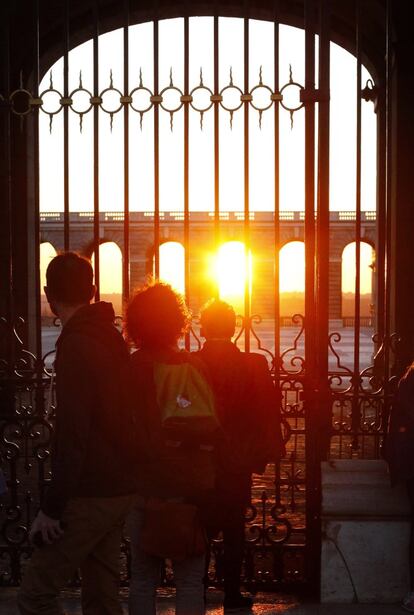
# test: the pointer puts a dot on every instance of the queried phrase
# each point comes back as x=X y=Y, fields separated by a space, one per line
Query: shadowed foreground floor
x=265 y=604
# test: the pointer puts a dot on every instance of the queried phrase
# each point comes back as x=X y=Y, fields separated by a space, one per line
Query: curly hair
x=156 y=316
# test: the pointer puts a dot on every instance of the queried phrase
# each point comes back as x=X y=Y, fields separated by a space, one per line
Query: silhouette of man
x=81 y=517
x=248 y=407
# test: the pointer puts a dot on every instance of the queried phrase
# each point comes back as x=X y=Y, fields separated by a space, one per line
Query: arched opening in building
x=47 y=252
x=366 y=277
x=172 y=265
x=110 y=274
x=292 y=279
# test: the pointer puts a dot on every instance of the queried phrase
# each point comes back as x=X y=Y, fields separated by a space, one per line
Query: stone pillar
x=365 y=533
x=402 y=209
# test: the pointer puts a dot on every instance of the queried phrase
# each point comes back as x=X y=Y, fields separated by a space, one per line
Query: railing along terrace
x=230 y=216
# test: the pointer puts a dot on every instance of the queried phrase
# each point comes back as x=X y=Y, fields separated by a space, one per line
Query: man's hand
x=49 y=528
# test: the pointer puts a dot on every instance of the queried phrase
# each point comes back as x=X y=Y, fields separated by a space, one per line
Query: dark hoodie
x=94 y=424
x=248 y=406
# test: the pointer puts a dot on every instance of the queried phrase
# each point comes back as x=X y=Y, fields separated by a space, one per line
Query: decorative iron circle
x=51 y=93
x=137 y=90
x=87 y=108
x=173 y=89
x=20 y=101
x=119 y=104
x=257 y=89
x=229 y=89
x=209 y=94
x=282 y=102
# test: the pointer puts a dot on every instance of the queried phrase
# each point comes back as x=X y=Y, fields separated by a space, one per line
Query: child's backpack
x=185 y=399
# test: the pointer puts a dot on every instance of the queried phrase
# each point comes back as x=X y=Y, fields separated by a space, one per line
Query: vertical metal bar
x=125 y=260
x=216 y=144
x=276 y=227
x=66 y=236
x=36 y=77
x=186 y=169
x=310 y=385
x=309 y=186
x=381 y=234
x=357 y=308
x=323 y=227
x=388 y=186
x=276 y=220
x=96 y=146
x=156 y=159
x=8 y=269
x=246 y=191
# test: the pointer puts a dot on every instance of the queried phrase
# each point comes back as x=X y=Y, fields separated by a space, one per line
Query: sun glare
x=231 y=272
x=172 y=265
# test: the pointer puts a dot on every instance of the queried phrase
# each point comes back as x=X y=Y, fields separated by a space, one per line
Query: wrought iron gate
x=328 y=409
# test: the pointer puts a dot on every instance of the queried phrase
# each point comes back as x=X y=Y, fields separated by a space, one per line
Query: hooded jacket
x=91 y=454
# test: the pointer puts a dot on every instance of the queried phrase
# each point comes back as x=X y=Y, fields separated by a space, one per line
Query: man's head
x=69 y=282
x=157 y=316
x=218 y=320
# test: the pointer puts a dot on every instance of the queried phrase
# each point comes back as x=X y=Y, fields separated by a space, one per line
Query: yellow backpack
x=185 y=399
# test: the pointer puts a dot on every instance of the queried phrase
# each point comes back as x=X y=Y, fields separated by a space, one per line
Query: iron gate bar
x=323 y=218
x=356 y=416
x=66 y=205
x=276 y=359
x=216 y=108
x=276 y=355
x=388 y=195
x=156 y=156
x=380 y=243
x=7 y=280
x=96 y=148
x=186 y=170
x=125 y=259
x=246 y=189
x=312 y=493
x=36 y=75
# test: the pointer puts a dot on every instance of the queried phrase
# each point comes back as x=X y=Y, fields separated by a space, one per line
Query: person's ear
x=93 y=291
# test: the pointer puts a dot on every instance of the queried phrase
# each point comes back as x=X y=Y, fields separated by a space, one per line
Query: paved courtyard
x=265 y=604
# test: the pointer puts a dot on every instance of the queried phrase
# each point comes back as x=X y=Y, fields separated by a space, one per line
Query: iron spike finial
x=171 y=77
x=51 y=80
x=260 y=75
x=80 y=80
x=201 y=77
x=290 y=74
x=140 y=77
x=111 y=81
x=231 y=75
x=21 y=79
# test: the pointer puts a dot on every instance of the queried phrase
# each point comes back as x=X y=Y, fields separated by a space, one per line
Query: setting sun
x=231 y=272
